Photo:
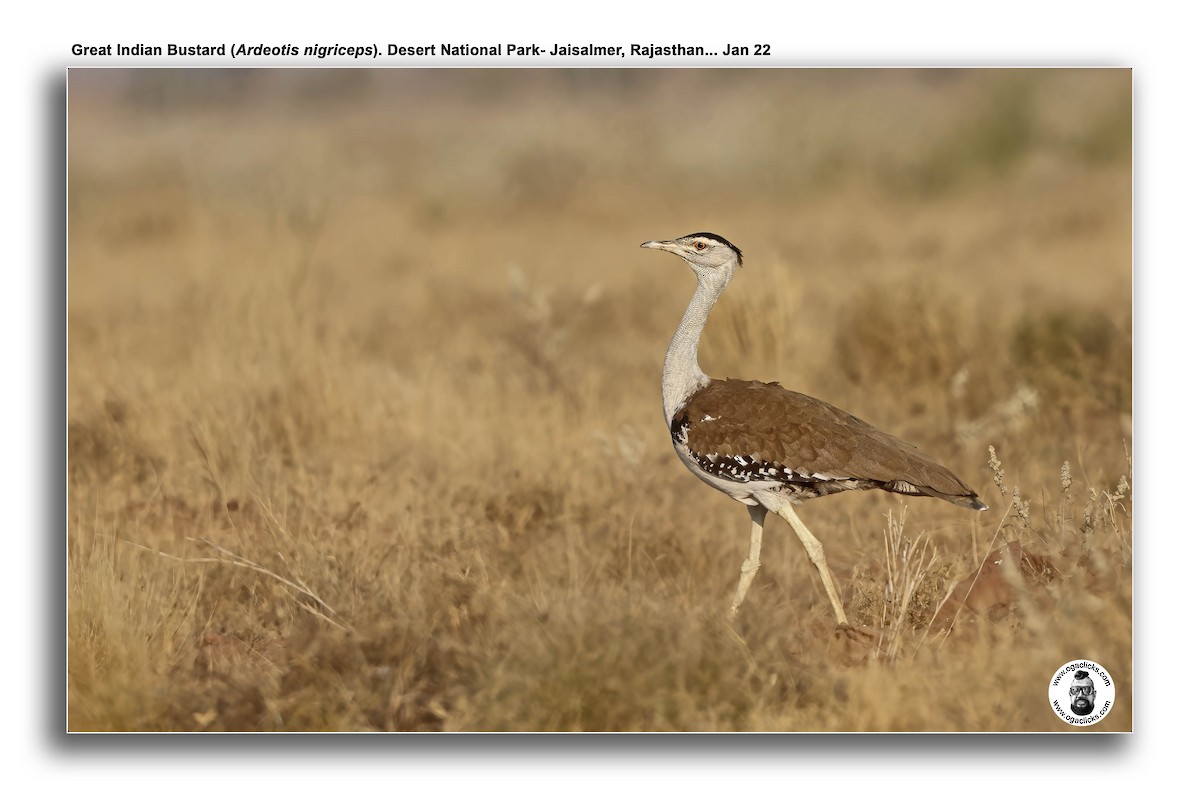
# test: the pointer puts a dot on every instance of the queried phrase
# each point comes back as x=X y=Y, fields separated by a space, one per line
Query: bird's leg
x=750 y=566
x=816 y=554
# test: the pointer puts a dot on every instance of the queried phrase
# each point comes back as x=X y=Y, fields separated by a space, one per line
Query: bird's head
x=706 y=253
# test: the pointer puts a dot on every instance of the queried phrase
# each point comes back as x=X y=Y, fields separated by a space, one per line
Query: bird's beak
x=656 y=245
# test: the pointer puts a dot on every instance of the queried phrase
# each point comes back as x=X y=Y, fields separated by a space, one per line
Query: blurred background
x=364 y=422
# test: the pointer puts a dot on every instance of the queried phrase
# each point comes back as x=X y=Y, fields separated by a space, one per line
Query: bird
x=771 y=448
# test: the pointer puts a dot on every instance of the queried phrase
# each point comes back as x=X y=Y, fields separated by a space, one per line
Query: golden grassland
x=364 y=427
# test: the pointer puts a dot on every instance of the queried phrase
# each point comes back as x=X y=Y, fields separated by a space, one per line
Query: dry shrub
x=1074 y=353
x=106 y=442
x=911 y=336
x=618 y=663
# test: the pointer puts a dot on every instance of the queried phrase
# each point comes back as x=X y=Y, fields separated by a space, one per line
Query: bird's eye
x=699 y=245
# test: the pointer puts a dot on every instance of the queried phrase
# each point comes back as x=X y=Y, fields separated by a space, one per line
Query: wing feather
x=817 y=441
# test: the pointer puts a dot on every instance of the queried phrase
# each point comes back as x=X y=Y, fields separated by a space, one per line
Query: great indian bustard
x=769 y=447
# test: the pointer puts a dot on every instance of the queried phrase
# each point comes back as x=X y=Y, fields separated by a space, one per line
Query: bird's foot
x=845 y=630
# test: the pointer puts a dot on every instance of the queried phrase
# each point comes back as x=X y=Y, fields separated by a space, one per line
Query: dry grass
x=364 y=429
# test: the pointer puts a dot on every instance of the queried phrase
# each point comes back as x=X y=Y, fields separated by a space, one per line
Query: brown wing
x=763 y=423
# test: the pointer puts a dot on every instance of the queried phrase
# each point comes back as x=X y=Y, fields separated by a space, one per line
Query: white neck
x=682 y=375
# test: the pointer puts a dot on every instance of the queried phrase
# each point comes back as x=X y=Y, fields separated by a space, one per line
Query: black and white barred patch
x=748 y=468
x=743 y=469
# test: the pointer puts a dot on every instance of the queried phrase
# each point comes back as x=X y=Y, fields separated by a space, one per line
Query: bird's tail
x=966 y=499
x=970 y=501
